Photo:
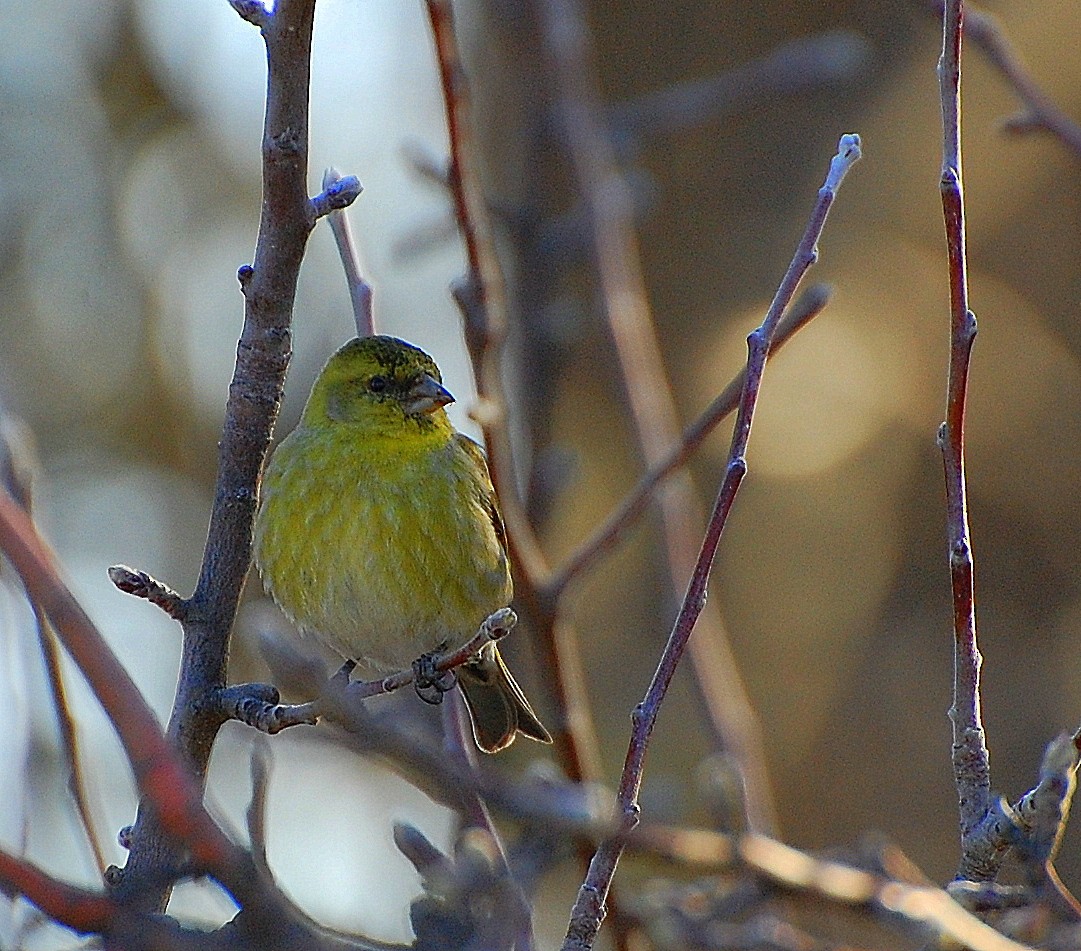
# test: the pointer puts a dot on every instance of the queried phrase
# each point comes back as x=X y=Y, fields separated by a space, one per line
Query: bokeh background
x=129 y=195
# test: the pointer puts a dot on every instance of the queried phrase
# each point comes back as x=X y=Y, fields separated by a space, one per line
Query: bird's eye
x=377 y=384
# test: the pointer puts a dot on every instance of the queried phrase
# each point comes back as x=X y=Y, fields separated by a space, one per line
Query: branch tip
x=141 y=585
x=253 y=11
x=340 y=193
x=849 y=152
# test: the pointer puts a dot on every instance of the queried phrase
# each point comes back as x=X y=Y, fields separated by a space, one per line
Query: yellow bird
x=378 y=530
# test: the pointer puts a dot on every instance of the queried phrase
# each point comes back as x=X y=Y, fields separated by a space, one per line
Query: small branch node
x=500 y=624
x=849 y=152
x=960 y=553
x=259 y=706
x=141 y=585
x=289 y=143
x=339 y=193
x=254 y=11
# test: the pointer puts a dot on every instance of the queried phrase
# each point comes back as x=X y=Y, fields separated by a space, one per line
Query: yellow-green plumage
x=378 y=530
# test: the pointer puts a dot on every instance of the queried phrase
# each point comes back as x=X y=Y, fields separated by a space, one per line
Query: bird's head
x=381 y=382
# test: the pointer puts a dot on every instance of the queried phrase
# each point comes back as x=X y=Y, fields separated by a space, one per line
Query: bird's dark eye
x=377 y=384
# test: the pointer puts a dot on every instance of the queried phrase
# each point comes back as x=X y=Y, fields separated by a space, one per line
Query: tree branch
x=254 y=395
x=589 y=908
x=972 y=770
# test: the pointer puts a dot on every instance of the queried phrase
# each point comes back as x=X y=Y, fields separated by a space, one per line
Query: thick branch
x=254 y=395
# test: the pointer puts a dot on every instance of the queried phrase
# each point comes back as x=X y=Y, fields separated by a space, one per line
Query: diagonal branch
x=589 y=908
x=158 y=771
x=610 y=207
x=627 y=513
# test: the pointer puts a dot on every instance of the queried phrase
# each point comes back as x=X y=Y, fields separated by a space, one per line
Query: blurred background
x=129 y=196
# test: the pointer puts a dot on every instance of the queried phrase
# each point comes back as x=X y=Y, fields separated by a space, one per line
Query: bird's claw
x=430 y=683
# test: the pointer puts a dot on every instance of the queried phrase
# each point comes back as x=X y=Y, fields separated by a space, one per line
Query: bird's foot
x=430 y=683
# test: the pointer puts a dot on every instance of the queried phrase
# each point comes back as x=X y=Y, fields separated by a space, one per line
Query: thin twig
x=18 y=468
x=972 y=770
x=481 y=294
x=627 y=513
x=360 y=291
x=139 y=584
x=626 y=302
x=69 y=738
x=589 y=908
x=1040 y=113
x=260 y=788
x=257 y=704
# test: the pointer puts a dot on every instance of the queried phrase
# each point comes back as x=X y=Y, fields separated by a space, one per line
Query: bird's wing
x=479 y=463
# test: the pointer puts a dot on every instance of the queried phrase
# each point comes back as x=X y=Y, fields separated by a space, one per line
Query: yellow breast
x=383 y=549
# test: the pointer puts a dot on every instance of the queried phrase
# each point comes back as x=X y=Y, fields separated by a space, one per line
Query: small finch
x=378 y=530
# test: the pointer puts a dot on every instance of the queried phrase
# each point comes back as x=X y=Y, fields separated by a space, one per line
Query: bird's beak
x=426 y=396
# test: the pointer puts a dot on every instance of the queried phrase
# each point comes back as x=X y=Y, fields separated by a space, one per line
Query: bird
x=378 y=530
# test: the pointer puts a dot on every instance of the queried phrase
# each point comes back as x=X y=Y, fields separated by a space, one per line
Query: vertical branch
x=360 y=291
x=482 y=298
x=610 y=207
x=263 y=352
x=589 y=907
x=972 y=771
x=481 y=294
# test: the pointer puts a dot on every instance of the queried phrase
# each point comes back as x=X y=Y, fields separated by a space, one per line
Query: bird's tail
x=497 y=707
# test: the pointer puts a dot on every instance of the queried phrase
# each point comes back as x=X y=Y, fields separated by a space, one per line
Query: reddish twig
x=482 y=299
x=481 y=295
x=972 y=771
x=77 y=908
x=161 y=778
x=611 y=209
x=589 y=908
